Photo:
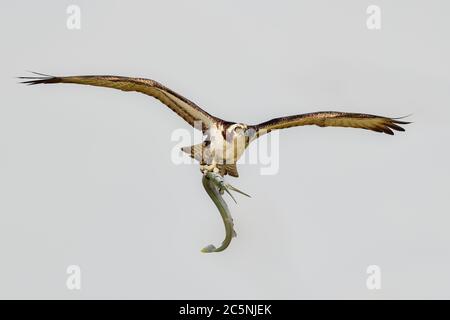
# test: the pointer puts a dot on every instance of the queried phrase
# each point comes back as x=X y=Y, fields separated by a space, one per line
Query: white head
x=237 y=128
x=243 y=132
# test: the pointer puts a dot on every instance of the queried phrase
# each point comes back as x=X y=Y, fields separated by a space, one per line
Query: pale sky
x=86 y=175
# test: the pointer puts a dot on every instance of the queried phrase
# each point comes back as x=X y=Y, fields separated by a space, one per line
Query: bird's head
x=235 y=130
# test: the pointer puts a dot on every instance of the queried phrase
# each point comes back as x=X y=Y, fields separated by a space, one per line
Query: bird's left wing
x=185 y=108
x=333 y=119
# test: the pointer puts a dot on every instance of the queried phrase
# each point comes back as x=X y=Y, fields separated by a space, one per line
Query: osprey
x=225 y=141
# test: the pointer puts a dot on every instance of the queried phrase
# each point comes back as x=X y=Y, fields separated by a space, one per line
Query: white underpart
x=220 y=151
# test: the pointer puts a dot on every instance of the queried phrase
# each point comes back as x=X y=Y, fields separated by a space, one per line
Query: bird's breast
x=226 y=151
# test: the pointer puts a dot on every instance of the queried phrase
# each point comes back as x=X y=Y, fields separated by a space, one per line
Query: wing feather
x=185 y=108
x=333 y=119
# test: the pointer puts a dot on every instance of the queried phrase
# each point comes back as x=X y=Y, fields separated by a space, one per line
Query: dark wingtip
x=41 y=78
x=394 y=123
x=402 y=122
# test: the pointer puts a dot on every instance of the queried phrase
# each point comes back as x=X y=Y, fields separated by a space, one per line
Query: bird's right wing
x=185 y=108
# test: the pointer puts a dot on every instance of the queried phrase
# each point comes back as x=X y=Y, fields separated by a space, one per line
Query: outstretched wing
x=185 y=108
x=333 y=119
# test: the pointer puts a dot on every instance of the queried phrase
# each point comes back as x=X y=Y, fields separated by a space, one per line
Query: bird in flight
x=225 y=141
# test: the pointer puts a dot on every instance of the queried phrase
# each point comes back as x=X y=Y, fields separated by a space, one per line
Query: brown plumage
x=333 y=119
x=222 y=135
x=185 y=108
